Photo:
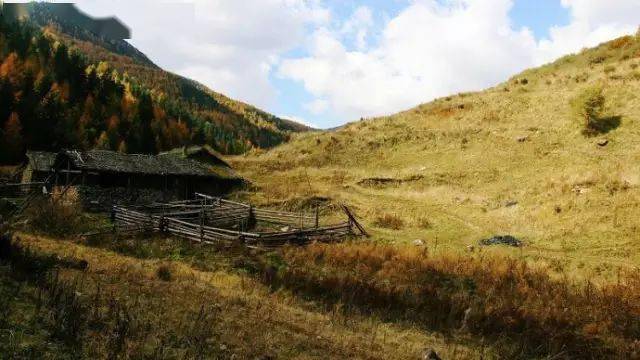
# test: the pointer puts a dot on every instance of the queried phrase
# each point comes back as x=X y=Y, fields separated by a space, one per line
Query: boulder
x=501 y=240
x=418 y=242
x=511 y=203
x=430 y=354
x=602 y=142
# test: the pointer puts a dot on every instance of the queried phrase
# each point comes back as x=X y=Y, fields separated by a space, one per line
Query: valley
x=546 y=162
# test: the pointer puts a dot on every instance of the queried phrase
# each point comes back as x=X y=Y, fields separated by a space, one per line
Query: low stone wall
x=98 y=199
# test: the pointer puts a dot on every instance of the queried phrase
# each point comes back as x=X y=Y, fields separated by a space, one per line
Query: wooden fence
x=297 y=220
x=22 y=190
x=212 y=220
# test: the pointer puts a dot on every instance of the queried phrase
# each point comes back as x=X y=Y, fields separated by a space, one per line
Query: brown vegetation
x=58 y=215
x=389 y=221
x=505 y=299
x=114 y=306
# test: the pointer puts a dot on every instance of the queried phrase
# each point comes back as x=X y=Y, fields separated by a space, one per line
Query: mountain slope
x=127 y=59
x=509 y=160
x=88 y=92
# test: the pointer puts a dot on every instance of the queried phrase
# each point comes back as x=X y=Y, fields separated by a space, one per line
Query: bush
x=164 y=273
x=425 y=223
x=389 y=221
x=588 y=107
x=59 y=215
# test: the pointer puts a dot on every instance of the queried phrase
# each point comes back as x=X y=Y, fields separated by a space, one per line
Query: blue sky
x=327 y=62
x=539 y=15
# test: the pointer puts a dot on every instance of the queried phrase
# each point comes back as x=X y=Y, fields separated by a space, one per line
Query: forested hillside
x=62 y=87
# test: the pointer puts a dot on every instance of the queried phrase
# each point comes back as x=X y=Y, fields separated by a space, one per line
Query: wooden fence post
x=163 y=222
x=317 y=217
x=202 y=222
x=113 y=217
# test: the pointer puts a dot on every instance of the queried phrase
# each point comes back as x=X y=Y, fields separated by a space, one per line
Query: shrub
x=582 y=77
x=621 y=42
x=389 y=221
x=164 y=272
x=588 y=107
x=425 y=223
x=609 y=69
x=599 y=59
x=60 y=215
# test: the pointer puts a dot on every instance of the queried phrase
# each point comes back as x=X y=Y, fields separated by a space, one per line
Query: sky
x=328 y=62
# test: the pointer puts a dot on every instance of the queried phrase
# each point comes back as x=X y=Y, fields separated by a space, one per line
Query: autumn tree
x=13 y=143
x=103 y=142
x=145 y=137
x=122 y=147
x=7 y=99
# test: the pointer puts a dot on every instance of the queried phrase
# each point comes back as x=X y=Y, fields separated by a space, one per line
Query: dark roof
x=110 y=161
x=41 y=160
x=196 y=152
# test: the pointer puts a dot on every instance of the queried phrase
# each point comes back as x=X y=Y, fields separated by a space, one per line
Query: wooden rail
x=16 y=191
x=208 y=220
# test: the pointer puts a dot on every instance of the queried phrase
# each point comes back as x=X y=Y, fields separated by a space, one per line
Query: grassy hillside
x=513 y=159
x=61 y=86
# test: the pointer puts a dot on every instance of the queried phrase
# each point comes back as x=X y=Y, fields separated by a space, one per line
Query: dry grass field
x=159 y=298
x=514 y=159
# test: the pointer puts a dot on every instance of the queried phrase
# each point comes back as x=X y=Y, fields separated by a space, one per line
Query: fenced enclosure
x=212 y=220
x=208 y=219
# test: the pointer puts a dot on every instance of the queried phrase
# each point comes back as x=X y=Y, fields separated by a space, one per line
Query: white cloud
x=229 y=46
x=426 y=51
x=592 y=22
x=435 y=48
x=358 y=25
x=299 y=120
x=317 y=106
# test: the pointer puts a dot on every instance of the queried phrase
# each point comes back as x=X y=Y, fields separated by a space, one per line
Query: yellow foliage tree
x=13 y=137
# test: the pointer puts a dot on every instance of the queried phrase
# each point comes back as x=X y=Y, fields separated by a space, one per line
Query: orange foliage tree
x=13 y=142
